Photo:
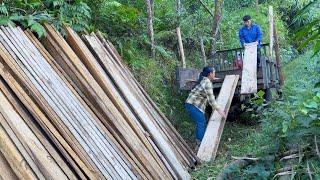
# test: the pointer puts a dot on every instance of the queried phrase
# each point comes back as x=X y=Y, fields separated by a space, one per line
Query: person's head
x=247 y=20
x=208 y=72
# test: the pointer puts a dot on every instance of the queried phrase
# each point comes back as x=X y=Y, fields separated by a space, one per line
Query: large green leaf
x=304 y=10
x=315 y=35
x=3 y=9
x=307 y=29
x=39 y=29
x=311 y=104
x=261 y=93
x=30 y=20
x=4 y=20
x=316 y=48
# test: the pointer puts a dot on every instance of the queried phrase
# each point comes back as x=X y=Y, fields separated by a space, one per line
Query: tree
x=215 y=26
x=149 y=5
x=216 y=16
x=203 y=52
x=181 y=50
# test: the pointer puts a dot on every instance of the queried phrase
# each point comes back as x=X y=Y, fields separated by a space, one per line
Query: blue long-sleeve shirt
x=249 y=35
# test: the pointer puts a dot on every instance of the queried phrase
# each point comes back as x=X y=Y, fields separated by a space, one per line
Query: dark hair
x=205 y=72
x=246 y=18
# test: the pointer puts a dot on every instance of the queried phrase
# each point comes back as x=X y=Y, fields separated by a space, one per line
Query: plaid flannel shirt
x=201 y=94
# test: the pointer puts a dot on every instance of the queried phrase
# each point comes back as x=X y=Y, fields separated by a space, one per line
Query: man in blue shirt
x=250 y=33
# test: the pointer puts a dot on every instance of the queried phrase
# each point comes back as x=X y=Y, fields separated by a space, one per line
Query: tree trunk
x=277 y=54
x=203 y=52
x=181 y=50
x=149 y=5
x=271 y=38
x=215 y=26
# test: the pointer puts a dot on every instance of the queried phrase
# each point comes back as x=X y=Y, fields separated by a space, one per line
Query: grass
x=238 y=139
x=243 y=140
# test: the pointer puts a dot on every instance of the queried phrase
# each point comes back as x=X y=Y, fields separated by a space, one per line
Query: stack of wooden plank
x=83 y=114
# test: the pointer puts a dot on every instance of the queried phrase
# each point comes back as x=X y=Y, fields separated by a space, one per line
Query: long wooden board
x=65 y=108
x=249 y=71
x=17 y=162
x=99 y=51
x=102 y=101
x=50 y=130
x=181 y=149
x=31 y=122
x=32 y=83
x=48 y=167
x=173 y=136
x=6 y=171
x=80 y=102
x=210 y=142
x=104 y=81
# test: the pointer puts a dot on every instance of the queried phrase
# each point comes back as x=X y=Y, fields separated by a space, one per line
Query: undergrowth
x=290 y=125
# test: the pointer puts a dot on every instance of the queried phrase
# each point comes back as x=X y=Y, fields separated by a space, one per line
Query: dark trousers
x=198 y=117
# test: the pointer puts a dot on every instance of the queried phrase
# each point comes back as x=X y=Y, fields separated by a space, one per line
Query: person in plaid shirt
x=197 y=101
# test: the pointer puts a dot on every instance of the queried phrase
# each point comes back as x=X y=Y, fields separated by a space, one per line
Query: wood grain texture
x=72 y=110
x=249 y=71
x=99 y=51
x=210 y=142
x=43 y=160
x=6 y=172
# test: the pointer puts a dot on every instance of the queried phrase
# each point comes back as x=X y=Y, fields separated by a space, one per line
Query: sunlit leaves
x=309 y=34
x=31 y=14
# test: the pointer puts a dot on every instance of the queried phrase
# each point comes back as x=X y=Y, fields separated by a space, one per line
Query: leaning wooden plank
x=50 y=169
x=41 y=118
x=62 y=109
x=61 y=53
x=56 y=98
x=13 y=156
x=157 y=122
x=164 y=127
x=30 y=121
x=21 y=148
x=104 y=81
x=6 y=171
x=249 y=70
x=19 y=60
x=70 y=53
x=153 y=109
x=33 y=109
x=209 y=145
x=53 y=64
x=159 y=139
x=147 y=159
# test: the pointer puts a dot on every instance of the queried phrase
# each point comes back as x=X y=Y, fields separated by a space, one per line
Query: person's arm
x=259 y=35
x=241 y=37
x=211 y=99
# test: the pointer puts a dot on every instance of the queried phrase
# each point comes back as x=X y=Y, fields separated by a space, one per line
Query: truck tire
x=268 y=94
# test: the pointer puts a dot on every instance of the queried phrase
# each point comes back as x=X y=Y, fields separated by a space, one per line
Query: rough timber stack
x=70 y=109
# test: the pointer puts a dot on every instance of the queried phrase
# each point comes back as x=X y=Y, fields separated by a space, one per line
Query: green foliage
x=31 y=14
x=287 y=124
x=310 y=32
x=295 y=121
x=236 y=4
x=115 y=18
x=258 y=98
